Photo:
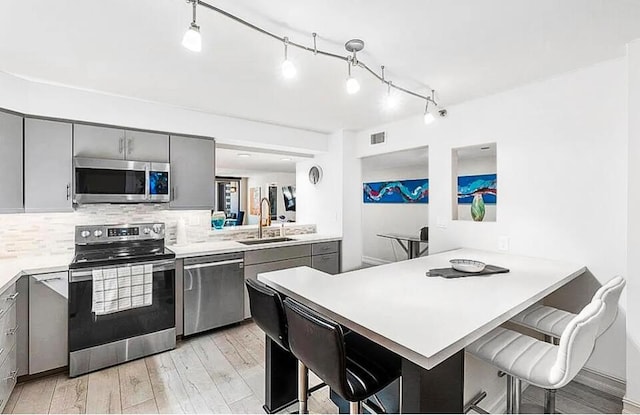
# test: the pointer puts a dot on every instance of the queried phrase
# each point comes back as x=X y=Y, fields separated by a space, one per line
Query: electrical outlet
x=503 y=243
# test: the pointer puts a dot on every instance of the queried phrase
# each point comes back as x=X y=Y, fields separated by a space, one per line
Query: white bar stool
x=552 y=321
x=539 y=363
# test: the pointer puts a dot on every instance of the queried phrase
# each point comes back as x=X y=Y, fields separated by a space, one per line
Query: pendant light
x=428 y=116
x=353 y=46
x=192 y=39
x=391 y=99
x=289 y=70
x=353 y=86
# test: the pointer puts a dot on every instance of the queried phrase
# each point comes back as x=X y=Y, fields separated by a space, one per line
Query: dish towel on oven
x=122 y=288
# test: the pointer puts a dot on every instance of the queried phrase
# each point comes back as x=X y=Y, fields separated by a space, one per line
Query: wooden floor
x=221 y=372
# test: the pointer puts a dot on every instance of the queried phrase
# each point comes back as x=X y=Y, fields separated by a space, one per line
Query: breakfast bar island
x=427 y=321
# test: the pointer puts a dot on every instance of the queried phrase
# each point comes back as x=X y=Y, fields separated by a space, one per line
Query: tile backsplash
x=52 y=233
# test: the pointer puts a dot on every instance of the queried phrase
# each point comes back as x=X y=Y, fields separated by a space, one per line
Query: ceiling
x=464 y=49
x=229 y=162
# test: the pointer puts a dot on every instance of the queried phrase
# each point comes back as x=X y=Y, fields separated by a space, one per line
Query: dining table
x=426 y=320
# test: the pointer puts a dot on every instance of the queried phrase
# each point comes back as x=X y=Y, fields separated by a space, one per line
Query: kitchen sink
x=265 y=241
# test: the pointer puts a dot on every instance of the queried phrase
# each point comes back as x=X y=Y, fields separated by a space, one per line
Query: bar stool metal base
x=514 y=394
x=303 y=387
x=549 y=401
x=355 y=408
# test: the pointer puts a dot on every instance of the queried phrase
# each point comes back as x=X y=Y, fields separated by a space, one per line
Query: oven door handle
x=87 y=275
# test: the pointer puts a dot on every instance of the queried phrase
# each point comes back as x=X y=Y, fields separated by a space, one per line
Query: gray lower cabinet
x=22 y=316
x=329 y=263
x=8 y=350
x=48 y=315
x=47 y=166
x=252 y=271
x=192 y=173
x=11 y=196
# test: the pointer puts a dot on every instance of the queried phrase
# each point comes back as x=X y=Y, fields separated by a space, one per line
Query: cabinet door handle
x=12 y=297
x=121 y=145
x=13 y=375
x=129 y=145
x=13 y=331
x=68 y=190
x=1 y=351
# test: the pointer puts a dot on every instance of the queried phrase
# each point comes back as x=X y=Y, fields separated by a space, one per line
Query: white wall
x=334 y=203
x=65 y=102
x=633 y=281
x=562 y=169
x=403 y=218
x=265 y=180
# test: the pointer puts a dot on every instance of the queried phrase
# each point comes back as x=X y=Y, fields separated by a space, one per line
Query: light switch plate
x=503 y=243
x=441 y=223
x=194 y=221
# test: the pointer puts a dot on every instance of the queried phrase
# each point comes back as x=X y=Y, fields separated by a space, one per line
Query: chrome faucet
x=268 y=218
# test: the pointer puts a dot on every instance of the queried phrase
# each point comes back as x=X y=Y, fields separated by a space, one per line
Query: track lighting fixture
x=289 y=70
x=391 y=99
x=192 y=39
x=353 y=86
x=428 y=116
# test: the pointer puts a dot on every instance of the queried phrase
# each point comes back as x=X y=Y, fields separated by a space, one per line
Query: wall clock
x=315 y=174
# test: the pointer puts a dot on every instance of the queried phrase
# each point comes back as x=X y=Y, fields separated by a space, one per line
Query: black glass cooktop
x=113 y=254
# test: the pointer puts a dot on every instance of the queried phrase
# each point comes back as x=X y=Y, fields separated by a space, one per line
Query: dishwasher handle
x=214 y=264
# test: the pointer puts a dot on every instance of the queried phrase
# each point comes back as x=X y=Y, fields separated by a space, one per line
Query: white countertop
x=13 y=268
x=223 y=247
x=425 y=319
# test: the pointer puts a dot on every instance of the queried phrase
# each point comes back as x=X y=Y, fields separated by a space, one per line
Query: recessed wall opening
x=395 y=205
x=474 y=183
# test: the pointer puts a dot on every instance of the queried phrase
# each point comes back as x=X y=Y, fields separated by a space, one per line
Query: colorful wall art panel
x=398 y=191
x=485 y=185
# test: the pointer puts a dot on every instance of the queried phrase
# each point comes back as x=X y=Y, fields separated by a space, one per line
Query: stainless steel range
x=121 y=295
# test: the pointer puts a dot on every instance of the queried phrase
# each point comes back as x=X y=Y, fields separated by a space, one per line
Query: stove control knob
x=97 y=233
x=85 y=234
x=146 y=231
x=157 y=228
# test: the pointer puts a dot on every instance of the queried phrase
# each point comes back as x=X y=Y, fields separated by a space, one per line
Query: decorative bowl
x=467 y=265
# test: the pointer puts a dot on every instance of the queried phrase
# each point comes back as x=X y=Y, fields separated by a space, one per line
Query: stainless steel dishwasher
x=213 y=292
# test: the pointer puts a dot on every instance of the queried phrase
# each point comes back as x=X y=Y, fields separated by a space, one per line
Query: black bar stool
x=353 y=366
x=267 y=311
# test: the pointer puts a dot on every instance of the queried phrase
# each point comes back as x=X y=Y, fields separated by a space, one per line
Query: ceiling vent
x=378 y=138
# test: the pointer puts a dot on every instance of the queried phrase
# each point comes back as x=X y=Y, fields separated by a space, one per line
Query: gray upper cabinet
x=48 y=166
x=98 y=142
x=10 y=163
x=192 y=173
x=119 y=144
x=143 y=146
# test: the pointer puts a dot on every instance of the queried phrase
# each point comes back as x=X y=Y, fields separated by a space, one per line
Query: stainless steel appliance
x=120 y=181
x=213 y=292
x=98 y=339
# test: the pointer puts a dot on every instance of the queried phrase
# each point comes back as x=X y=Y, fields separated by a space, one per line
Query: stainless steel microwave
x=120 y=181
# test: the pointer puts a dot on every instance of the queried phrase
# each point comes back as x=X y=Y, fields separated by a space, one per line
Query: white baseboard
x=630 y=407
x=374 y=261
x=602 y=382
